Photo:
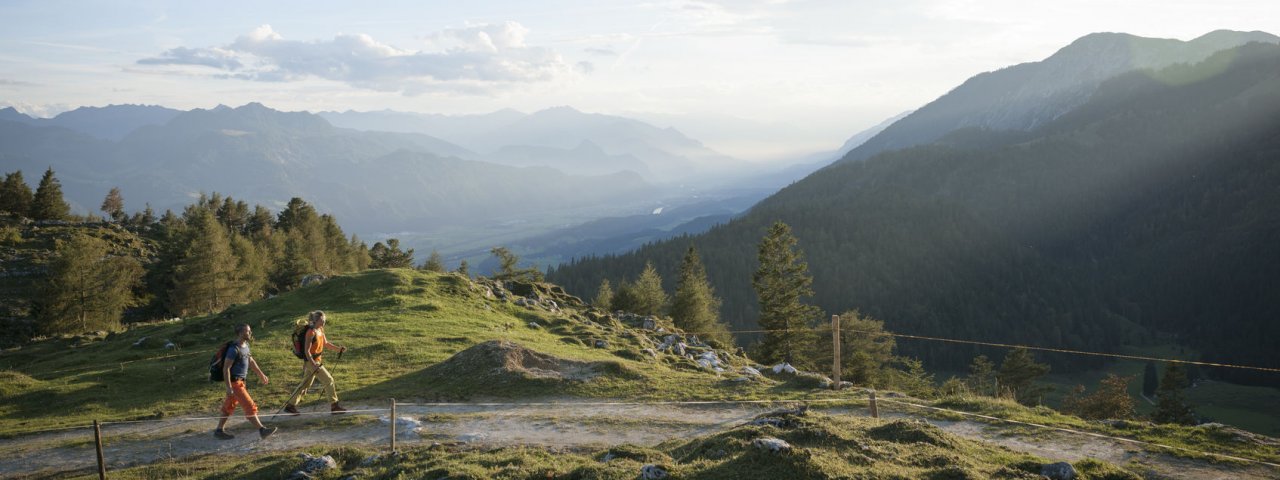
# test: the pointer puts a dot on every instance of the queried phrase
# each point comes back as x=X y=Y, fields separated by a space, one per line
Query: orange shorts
x=239 y=394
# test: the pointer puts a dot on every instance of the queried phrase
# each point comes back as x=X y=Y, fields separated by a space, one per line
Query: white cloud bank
x=477 y=59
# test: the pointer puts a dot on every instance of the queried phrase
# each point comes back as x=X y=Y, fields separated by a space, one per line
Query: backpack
x=300 y=340
x=215 y=364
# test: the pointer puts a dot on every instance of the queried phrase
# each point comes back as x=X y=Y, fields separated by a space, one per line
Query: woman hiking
x=314 y=344
x=236 y=364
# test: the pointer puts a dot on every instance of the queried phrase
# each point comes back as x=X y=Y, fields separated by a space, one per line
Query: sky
x=756 y=79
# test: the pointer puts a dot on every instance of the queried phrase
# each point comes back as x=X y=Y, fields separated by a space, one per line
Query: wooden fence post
x=393 y=426
x=835 y=349
x=874 y=407
x=97 y=441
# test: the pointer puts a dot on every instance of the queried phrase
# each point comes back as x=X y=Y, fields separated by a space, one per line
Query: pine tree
x=113 y=205
x=695 y=307
x=48 y=203
x=982 y=376
x=650 y=298
x=1171 y=403
x=507 y=261
x=1018 y=373
x=1110 y=401
x=464 y=269
x=1150 y=379
x=15 y=195
x=390 y=255
x=781 y=284
x=865 y=349
x=604 y=296
x=87 y=287
x=205 y=279
x=434 y=263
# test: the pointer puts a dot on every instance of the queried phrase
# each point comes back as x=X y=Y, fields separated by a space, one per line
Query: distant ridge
x=1028 y=95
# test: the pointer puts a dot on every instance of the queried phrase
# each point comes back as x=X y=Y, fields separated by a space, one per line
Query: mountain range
x=1025 y=96
x=1146 y=212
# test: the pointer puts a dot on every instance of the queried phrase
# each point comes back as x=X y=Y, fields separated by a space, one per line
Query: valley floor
x=71 y=453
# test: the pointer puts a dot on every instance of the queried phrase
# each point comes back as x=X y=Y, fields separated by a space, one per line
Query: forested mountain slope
x=1152 y=207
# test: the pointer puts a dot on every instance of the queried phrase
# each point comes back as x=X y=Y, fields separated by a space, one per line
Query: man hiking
x=313 y=345
x=236 y=364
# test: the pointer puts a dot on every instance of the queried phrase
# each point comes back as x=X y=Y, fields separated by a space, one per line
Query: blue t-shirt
x=238 y=355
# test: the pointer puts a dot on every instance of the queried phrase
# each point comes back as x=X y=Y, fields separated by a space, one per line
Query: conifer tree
x=1110 y=401
x=48 y=203
x=604 y=296
x=781 y=283
x=15 y=195
x=650 y=298
x=507 y=261
x=464 y=269
x=205 y=279
x=866 y=350
x=1018 y=373
x=390 y=255
x=695 y=307
x=113 y=205
x=1171 y=403
x=982 y=376
x=434 y=263
x=87 y=287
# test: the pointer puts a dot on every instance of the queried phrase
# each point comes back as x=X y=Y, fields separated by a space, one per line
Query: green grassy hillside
x=399 y=326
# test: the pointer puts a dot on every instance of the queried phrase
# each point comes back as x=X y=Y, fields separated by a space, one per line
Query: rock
x=534 y=325
x=651 y=352
x=1058 y=471
x=607 y=456
x=314 y=279
x=140 y=342
x=312 y=466
x=649 y=323
x=784 y=367
x=771 y=444
x=742 y=379
x=678 y=349
x=750 y=372
x=653 y=472
x=168 y=345
x=602 y=344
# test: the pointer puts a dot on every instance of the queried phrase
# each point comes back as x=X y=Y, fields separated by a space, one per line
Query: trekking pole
x=295 y=392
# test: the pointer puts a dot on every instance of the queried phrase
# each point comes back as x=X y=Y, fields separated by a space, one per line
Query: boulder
x=785 y=367
x=653 y=472
x=775 y=445
x=649 y=323
x=535 y=325
x=310 y=280
x=1058 y=471
x=311 y=466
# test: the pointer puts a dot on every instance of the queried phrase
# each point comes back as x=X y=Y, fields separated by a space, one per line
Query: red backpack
x=300 y=340
x=215 y=364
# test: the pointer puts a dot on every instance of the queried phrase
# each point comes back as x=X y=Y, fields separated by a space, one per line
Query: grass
x=822 y=446
x=1202 y=438
x=1247 y=407
x=397 y=325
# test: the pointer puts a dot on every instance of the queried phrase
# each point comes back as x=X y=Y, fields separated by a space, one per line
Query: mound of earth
x=500 y=361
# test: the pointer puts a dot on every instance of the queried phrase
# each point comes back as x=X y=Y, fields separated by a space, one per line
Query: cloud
x=14 y=83
x=475 y=59
x=603 y=52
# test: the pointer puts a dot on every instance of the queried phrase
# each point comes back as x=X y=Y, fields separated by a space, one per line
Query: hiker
x=313 y=345
x=237 y=362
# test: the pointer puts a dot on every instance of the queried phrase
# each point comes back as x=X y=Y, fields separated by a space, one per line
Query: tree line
x=217 y=252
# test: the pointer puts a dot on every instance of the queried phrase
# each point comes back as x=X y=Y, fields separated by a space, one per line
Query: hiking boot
x=336 y=409
x=291 y=410
x=265 y=432
x=222 y=434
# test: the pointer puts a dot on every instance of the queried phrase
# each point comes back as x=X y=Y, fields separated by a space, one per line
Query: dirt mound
x=500 y=360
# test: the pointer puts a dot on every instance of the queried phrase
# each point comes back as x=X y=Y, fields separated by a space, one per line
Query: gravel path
x=63 y=453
